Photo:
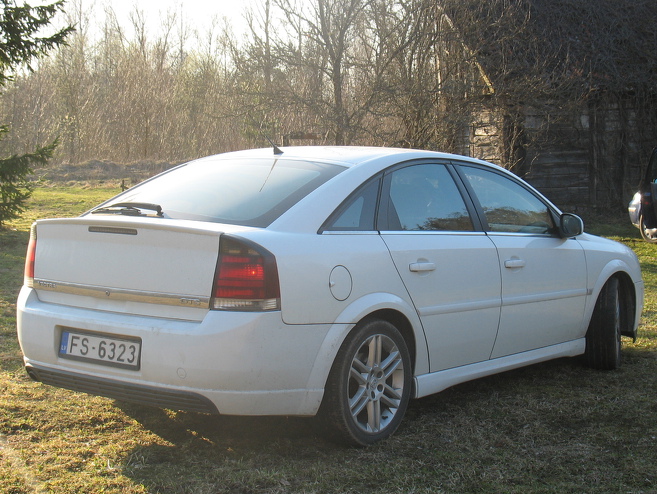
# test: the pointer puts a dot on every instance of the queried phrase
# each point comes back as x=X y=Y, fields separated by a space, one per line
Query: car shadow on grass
x=252 y=433
x=472 y=398
x=181 y=428
x=196 y=452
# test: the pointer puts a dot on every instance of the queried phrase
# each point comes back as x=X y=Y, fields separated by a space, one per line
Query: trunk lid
x=143 y=266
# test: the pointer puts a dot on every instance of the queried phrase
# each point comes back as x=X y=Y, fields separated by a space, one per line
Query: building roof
x=588 y=45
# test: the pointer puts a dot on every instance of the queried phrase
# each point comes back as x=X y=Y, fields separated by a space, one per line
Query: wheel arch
x=403 y=325
x=628 y=297
x=614 y=260
x=385 y=307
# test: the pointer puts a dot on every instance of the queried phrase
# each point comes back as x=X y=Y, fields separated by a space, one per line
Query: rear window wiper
x=130 y=209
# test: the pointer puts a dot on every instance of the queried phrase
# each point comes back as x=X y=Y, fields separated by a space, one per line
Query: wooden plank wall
x=589 y=161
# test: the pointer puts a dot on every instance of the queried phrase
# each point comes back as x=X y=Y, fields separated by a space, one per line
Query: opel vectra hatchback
x=330 y=281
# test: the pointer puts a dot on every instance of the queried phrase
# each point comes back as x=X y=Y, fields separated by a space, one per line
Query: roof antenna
x=277 y=150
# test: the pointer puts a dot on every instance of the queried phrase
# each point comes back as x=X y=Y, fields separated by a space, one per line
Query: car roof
x=347 y=156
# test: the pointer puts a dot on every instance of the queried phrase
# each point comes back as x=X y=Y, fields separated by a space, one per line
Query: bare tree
x=331 y=63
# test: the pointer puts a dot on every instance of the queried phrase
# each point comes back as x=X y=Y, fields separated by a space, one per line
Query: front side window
x=425 y=198
x=507 y=205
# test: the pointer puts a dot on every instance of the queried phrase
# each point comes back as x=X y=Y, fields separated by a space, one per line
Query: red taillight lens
x=29 y=258
x=241 y=277
x=246 y=277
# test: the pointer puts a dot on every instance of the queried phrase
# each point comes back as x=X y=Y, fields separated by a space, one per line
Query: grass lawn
x=555 y=427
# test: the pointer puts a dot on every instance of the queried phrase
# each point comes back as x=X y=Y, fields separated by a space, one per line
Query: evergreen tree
x=20 y=46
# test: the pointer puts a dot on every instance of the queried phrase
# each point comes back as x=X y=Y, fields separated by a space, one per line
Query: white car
x=330 y=281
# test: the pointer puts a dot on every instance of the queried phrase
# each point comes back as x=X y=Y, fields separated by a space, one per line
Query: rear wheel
x=603 y=338
x=369 y=386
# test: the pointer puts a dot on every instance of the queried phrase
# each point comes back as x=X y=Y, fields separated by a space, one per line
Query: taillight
x=28 y=279
x=246 y=278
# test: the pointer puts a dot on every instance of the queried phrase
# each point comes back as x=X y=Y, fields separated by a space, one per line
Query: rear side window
x=424 y=197
x=358 y=212
x=249 y=192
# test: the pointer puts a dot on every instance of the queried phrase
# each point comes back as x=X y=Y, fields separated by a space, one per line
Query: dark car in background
x=642 y=208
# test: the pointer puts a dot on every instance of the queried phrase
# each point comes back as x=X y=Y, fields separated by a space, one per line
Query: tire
x=369 y=385
x=603 y=338
x=647 y=233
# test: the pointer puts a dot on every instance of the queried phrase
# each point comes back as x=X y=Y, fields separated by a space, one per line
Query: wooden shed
x=570 y=99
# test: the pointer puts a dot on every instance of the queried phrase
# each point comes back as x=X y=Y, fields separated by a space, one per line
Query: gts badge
x=194 y=302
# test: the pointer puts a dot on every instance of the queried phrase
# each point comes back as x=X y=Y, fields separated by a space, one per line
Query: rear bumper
x=230 y=362
x=134 y=393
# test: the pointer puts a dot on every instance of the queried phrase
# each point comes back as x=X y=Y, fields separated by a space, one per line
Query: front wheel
x=369 y=385
x=603 y=338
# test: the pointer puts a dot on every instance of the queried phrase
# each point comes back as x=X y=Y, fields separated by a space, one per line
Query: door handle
x=514 y=263
x=418 y=267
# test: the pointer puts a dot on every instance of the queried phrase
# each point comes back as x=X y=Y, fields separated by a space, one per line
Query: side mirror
x=570 y=225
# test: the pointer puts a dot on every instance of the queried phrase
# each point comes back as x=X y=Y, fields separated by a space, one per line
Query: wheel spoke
x=358 y=402
x=391 y=364
x=391 y=397
x=360 y=366
x=374 y=415
x=359 y=372
x=375 y=347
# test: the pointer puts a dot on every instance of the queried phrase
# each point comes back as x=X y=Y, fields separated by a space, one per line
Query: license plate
x=101 y=349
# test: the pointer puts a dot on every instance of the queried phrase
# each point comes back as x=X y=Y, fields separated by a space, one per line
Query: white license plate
x=101 y=349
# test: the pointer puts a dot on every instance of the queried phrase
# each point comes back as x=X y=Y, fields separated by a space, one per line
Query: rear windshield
x=249 y=192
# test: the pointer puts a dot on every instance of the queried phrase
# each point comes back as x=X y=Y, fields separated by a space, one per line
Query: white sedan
x=330 y=281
